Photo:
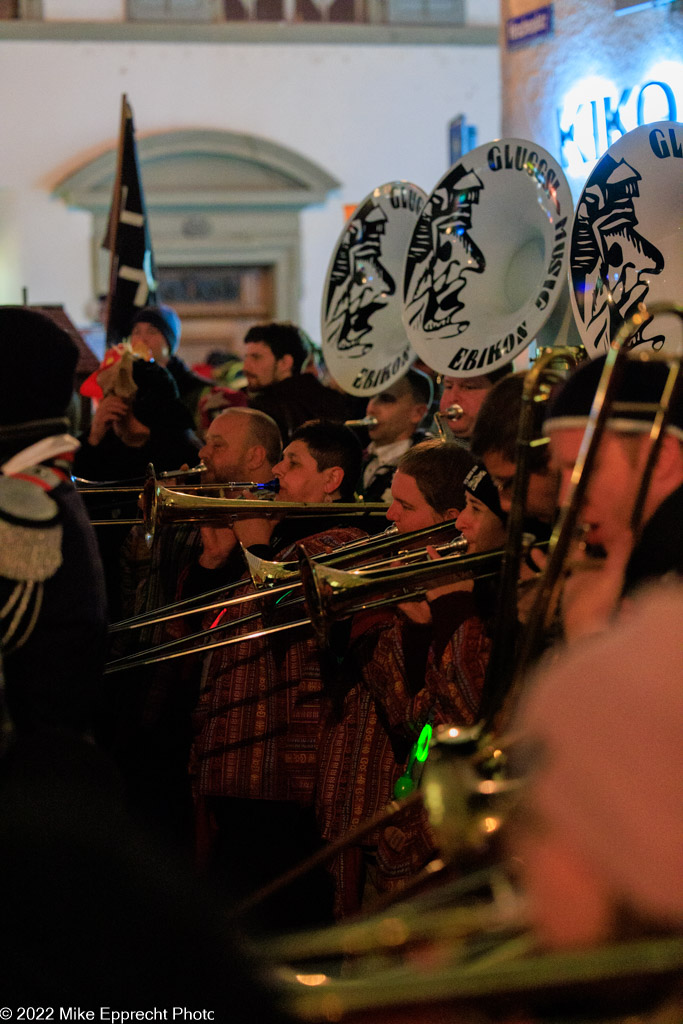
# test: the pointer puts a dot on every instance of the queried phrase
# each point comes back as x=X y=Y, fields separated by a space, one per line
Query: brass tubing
x=367 y=421
x=162 y=505
x=347 y=554
x=119 y=666
x=154 y=617
x=548 y=370
x=565 y=527
x=362 y=581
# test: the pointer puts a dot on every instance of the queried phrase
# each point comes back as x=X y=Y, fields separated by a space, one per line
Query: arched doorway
x=223 y=210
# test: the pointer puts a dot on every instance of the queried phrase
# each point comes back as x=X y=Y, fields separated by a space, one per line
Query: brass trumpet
x=453 y=412
x=366 y=421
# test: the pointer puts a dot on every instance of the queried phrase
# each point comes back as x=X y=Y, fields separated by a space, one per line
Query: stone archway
x=215 y=199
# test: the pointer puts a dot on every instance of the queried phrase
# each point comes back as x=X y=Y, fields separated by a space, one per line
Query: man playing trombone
x=151 y=732
x=256 y=723
x=638 y=536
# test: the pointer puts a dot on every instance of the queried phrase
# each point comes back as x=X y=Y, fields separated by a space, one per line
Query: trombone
x=113 y=491
x=267 y=574
x=162 y=506
x=135 y=485
x=603 y=405
x=329 y=595
x=549 y=369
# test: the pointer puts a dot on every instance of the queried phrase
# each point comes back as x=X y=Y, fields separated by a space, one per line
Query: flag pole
x=115 y=211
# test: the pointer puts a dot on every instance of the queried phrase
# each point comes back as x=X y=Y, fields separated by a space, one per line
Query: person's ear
x=256 y=456
x=417 y=413
x=332 y=479
x=284 y=365
x=451 y=513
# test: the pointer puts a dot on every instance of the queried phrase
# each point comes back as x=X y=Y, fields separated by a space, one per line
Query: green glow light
x=423 y=741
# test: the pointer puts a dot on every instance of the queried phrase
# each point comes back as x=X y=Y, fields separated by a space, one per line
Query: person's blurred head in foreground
x=598 y=841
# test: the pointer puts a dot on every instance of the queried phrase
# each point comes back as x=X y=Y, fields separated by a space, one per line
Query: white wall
x=365 y=114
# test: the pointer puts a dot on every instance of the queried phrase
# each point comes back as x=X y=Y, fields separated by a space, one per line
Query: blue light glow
x=596 y=112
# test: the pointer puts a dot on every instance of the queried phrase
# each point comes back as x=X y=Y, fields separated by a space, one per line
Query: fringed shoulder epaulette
x=30 y=549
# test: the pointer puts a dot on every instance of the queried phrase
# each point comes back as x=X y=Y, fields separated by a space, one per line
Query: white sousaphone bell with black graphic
x=364 y=345
x=627 y=240
x=486 y=268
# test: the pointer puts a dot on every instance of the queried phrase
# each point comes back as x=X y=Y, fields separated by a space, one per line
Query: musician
x=151 y=732
x=401 y=671
x=494 y=443
x=482 y=522
x=635 y=553
x=275 y=355
x=52 y=603
x=258 y=713
x=468 y=393
x=399 y=411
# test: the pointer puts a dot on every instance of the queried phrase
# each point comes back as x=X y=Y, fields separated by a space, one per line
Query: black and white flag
x=131 y=279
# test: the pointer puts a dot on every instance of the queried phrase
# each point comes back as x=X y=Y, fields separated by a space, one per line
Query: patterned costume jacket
x=257 y=721
x=408 y=675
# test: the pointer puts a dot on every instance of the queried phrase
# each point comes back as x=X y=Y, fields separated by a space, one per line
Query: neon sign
x=595 y=113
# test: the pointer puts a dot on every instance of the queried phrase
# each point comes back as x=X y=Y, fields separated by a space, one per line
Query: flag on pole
x=131 y=276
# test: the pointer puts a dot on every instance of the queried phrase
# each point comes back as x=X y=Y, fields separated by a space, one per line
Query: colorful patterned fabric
x=257 y=721
x=408 y=675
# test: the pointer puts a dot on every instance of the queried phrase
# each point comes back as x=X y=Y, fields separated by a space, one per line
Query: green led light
x=423 y=741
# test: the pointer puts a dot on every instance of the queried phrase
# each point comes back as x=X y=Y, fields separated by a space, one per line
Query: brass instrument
x=267 y=574
x=603 y=405
x=478 y=963
x=359 y=552
x=161 y=506
x=548 y=370
x=366 y=421
x=466 y=808
x=334 y=594
x=453 y=412
x=463 y=948
x=111 y=492
x=352 y=592
x=135 y=485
